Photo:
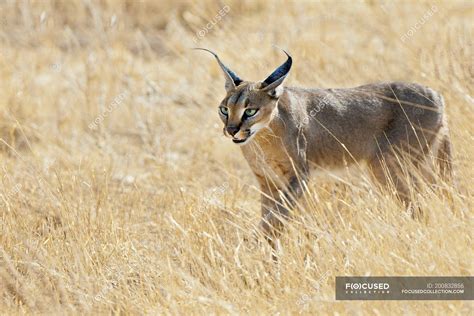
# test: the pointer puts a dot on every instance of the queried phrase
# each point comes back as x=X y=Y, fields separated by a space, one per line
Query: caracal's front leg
x=277 y=202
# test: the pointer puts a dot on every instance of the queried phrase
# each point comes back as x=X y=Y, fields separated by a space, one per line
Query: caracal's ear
x=231 y=79
x=272 y=85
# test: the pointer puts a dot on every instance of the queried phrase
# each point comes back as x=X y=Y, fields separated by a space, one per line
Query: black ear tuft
x=232 y=80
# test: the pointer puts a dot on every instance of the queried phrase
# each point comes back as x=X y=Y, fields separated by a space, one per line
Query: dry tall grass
x=150 y=209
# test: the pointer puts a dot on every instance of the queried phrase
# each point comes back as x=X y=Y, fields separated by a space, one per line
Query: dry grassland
x=119 y=193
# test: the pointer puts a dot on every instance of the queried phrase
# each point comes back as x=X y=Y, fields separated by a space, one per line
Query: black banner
x=405 y=288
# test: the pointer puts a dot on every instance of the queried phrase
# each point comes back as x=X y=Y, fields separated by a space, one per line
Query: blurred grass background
x=141 y=206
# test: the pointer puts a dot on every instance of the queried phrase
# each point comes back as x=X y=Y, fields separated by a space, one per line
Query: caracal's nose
x=232 y=129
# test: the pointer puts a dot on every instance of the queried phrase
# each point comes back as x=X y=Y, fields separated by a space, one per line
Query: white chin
x=246 y=141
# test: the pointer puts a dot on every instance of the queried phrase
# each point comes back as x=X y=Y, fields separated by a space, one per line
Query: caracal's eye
x=224 y=110
x=251 y=112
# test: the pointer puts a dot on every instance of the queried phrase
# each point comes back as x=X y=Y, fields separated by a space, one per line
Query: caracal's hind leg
x=445 y=159
x=386 y=170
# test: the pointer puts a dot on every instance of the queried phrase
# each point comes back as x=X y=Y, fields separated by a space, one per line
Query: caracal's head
x=249 y=107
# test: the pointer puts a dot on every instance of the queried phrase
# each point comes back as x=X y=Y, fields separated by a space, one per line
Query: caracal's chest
x=269 y=159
